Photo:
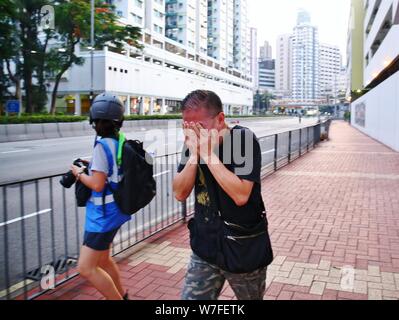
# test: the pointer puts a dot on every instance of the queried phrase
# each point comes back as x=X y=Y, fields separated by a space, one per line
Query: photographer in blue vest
x=103 y=216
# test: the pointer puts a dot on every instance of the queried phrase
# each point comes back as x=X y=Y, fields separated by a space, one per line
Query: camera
x=68 y=179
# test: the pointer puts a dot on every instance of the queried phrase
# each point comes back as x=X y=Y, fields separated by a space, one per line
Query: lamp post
x=91 y=52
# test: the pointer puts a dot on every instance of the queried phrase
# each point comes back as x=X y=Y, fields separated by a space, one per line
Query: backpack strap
x=110 y=160
x=108 y=154
x=122 y=139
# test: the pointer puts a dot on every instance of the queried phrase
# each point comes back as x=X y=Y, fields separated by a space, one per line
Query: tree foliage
x=39 y=56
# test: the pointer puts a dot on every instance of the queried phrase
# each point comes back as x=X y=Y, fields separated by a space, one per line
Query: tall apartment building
x=155 y=18
x=267 y=75
x=186 y=23
x=305 y=60
x=284 y=65
x=220 y=31
x=174 y=60
x=131 y=12
x=265 y=52
x=241 y=33
x=330 y=68
x=254 y=56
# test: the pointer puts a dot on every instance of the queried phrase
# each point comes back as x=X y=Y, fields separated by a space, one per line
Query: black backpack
x=137 y=187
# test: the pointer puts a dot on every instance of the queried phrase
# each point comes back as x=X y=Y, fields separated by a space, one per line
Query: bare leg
x=89 y=268
x=109 y=266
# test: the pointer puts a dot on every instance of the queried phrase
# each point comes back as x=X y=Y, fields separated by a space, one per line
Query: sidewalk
x=336 y=206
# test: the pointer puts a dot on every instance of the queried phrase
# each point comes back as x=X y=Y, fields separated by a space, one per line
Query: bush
x=59 y=117
x=40 y=119
x=347 y=115
x=154 y=117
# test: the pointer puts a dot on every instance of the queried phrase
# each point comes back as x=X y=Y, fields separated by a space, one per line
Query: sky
x=275 y=17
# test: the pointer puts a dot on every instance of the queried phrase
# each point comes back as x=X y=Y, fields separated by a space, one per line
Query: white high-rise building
x=305 y=60
x=330 y=68
x=241 y=37
x=284 y=65
x=132 y=12
x=202 y=26
x=186 y=23
x=303 y=17
x=220 y=31
x=155 y=18
x=265 y=52
x=173 y=61
x=254 y=56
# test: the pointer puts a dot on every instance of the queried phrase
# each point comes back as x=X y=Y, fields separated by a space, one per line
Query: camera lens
x=68 y=179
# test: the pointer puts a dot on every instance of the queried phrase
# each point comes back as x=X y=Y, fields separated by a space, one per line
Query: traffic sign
x=12 y=106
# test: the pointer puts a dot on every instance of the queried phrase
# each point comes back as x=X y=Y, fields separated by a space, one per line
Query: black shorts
x=99 y=241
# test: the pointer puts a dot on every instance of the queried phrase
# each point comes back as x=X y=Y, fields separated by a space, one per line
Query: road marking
x=15 y=151
x=15 y=287
x=161 y=174
x=25 y=217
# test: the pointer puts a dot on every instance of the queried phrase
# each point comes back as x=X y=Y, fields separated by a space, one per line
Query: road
x=39 y=222
x=37 y=158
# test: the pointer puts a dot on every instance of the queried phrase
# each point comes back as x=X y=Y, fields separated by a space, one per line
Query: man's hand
x=208 y=141
x=191 y=139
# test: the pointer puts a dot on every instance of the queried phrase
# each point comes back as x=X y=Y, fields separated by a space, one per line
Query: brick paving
x=334 y=223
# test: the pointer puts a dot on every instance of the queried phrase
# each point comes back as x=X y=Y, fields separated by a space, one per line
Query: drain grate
x=60 y=266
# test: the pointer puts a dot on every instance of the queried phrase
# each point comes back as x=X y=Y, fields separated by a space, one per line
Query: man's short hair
x=208 y=100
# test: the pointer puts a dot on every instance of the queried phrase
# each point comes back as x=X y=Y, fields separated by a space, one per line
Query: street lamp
x=91 y=50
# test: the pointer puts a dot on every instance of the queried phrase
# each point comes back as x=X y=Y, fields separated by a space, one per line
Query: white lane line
x=161 y=174
x=270 y=151
x=15 y=151
x=25 y=217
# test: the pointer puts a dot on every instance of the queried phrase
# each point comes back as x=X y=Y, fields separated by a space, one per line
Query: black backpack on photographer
x=137 y=187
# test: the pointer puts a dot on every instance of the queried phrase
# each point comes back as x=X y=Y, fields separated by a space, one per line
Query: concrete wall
x=377 y=112
x=24 y=132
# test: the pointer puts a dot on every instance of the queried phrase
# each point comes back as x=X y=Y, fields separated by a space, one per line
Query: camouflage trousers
x=205 y=282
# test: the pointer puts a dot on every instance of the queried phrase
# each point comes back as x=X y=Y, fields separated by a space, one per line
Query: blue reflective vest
x=102 y=213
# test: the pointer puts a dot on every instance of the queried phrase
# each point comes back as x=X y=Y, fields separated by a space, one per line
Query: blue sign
x=12 y=106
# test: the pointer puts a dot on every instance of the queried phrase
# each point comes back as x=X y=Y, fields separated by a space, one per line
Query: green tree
x=8 y=52
x=30 y=53
x=28 y=20
x=21 y=48
x=73 y=27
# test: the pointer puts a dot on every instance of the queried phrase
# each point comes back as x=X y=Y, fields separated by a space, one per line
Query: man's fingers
x=193 y=126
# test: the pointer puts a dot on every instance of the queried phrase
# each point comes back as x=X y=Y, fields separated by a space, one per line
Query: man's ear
x=221 y=119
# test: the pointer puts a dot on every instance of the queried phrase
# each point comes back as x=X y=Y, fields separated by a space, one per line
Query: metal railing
x=41 y=227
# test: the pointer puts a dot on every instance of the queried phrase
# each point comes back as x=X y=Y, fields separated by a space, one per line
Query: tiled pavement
x=334 y=223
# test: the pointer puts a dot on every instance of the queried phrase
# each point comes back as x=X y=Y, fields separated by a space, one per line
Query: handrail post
x=289 y=146
x=275 y=151
x=300 y=142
